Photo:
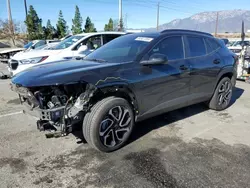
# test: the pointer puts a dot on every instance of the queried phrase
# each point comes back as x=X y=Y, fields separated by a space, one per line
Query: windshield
x=28 y=45
x=238 y=43
x=41 y=47
x=67 y=42
x=122 y=49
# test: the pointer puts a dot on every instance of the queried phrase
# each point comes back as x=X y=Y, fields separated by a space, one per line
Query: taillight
x=236 y=59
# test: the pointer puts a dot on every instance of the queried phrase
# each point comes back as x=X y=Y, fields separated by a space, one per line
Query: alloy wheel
x=225 y=93
x=115 y=126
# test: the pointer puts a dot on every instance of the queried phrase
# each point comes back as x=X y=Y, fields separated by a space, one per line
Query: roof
x=185 y=31
x=99 y=33
x=171 y=31
x=145 y=34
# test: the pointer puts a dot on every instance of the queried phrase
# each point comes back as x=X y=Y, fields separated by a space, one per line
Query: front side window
x=123 y=49
x=171 y=47
x=92 y=43
x=196 y=46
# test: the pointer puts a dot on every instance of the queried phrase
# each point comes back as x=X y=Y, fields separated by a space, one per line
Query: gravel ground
x=190 y=147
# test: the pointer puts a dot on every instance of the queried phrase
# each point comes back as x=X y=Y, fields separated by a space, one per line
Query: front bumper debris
x=45 y=115
x=47 y=119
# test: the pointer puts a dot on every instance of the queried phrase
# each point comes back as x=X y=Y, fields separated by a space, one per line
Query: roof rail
x=186 y=30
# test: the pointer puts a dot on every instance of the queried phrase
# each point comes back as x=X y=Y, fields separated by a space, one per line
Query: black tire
x=100 y=117
x=221 y=99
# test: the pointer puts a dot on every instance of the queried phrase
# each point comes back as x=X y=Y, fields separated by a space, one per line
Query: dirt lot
x=191 y=147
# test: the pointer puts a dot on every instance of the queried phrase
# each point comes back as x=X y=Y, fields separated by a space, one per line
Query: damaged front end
x=56 y=108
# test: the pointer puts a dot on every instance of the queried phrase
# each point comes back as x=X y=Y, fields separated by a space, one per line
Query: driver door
x=165 y=86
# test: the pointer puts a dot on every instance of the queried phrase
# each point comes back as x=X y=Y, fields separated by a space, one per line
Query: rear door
x=205 y=62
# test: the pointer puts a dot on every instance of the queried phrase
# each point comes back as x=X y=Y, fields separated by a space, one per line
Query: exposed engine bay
x=57 y=108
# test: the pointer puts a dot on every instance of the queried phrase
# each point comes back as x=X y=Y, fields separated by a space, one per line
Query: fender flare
x=224 y=71
x=120 y=89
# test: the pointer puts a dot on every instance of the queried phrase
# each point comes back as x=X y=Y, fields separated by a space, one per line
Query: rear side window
x=196 y=46
x=212 y=45
x=109 y=37
x=172 y=47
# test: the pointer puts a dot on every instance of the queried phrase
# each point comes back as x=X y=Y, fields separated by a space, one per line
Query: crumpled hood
x=62 y=72
x=35 y=53
x=11 y=50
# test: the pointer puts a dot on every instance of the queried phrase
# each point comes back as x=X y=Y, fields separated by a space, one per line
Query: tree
x=49 y=30
x=109 y=26
x=8 y=30
x=89 y=26
x=121 y=25
x=77 y=22
x=61 y=26
x=34 y=24
x=116 y=24
x=40 y=33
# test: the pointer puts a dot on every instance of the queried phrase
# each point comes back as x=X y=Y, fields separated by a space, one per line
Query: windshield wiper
x=97 y=60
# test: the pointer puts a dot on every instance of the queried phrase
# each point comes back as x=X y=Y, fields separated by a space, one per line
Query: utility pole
x=9 y=12
x=25 y=6
x=126 y=21
x=120 y=15
x=216 y=26
x=158 y=15
x=11 y=26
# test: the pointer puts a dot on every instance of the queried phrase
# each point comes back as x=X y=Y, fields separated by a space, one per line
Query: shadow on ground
x=144 y=127
x=237 y=93
x=169 y=163
x=170 y=118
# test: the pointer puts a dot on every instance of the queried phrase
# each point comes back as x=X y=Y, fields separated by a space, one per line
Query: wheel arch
x=121 y=90
x=226 y=72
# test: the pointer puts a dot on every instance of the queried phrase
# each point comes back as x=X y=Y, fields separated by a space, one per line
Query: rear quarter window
x=212 y=45
x=107 y=38
x=196 y=46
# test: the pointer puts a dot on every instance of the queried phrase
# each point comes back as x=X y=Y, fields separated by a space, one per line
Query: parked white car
x=32 y=45
x=71 y=48
x=236 y=47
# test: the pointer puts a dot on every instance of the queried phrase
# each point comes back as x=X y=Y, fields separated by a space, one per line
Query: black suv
x=132 y=78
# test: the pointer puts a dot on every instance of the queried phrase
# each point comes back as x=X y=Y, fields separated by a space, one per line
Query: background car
x=74 y=46
x=236 y=47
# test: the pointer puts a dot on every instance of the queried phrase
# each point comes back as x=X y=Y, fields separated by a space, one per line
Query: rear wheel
x=109 y=124
x=222 y=95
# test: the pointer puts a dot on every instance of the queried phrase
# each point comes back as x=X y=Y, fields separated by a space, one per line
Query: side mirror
x=82 y=48
x=155 y=59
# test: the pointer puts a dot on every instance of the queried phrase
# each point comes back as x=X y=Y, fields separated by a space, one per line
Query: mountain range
x=228 y=21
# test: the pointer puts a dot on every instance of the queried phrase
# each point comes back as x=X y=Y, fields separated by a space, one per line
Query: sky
x=136 y=13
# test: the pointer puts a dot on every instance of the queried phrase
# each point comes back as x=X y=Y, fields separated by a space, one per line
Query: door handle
x=216 y=61
x=183 y=67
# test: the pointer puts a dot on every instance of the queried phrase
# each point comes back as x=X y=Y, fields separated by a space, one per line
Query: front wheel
x=222 y=95
x=109 y=124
